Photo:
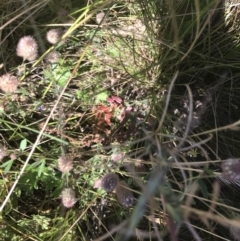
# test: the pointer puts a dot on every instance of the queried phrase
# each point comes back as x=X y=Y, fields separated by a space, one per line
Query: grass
x=146 y=90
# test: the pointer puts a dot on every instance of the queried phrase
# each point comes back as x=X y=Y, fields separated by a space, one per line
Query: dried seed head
x=27 y=48
x=2 y=152
x=124 y=195
x=100 y=17
x=54 y=35
x=65 y=164
x=2 y=108
x=235 y=232
x=108 y=182
x=140 y=167
x=68 y=197
x=231 y=169
x=117 y=156
x=62 y=15
x=8 y=83
x=20 y=69
x=53 y=57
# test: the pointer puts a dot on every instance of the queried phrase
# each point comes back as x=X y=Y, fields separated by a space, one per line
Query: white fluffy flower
x=53 y=57
x=27 y=48
x=54 y=35
x=68 y=197
x=65 y=164
x=8 y=83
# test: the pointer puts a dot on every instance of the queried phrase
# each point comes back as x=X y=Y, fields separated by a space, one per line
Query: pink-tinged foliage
x=103 y=115
x=115 y=100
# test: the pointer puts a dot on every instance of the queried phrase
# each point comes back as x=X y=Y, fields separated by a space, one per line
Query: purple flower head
x=231 y=169
x=108 y=182
x=235 y=232
x=124 y=195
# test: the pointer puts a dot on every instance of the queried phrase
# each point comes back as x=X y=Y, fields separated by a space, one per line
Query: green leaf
x=34 y=165
x=7 y=166
x=208 y=171
x=23 y=144
x=51 y=181
x=62 y=77
x=203 y=188
x=28 y=182
x=48 y=75
x=7 y=208
x=41 y=167
x=42 y=221
x=174 y=212
x=103 y=96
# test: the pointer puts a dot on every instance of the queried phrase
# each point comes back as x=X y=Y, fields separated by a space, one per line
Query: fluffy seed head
x=117 y=156
x=235 y=232
x=65 y=164
x=124 y=195
x=54 y=35
x=108 y=182
x=100 y=17
x=2 y=152
x=231 y=169
x=53 y=57
x=8 y=83
x=27 y=48
x=68 y=197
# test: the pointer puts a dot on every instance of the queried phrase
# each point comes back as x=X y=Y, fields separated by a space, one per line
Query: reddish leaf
x=114 y=100
x=104 y=114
